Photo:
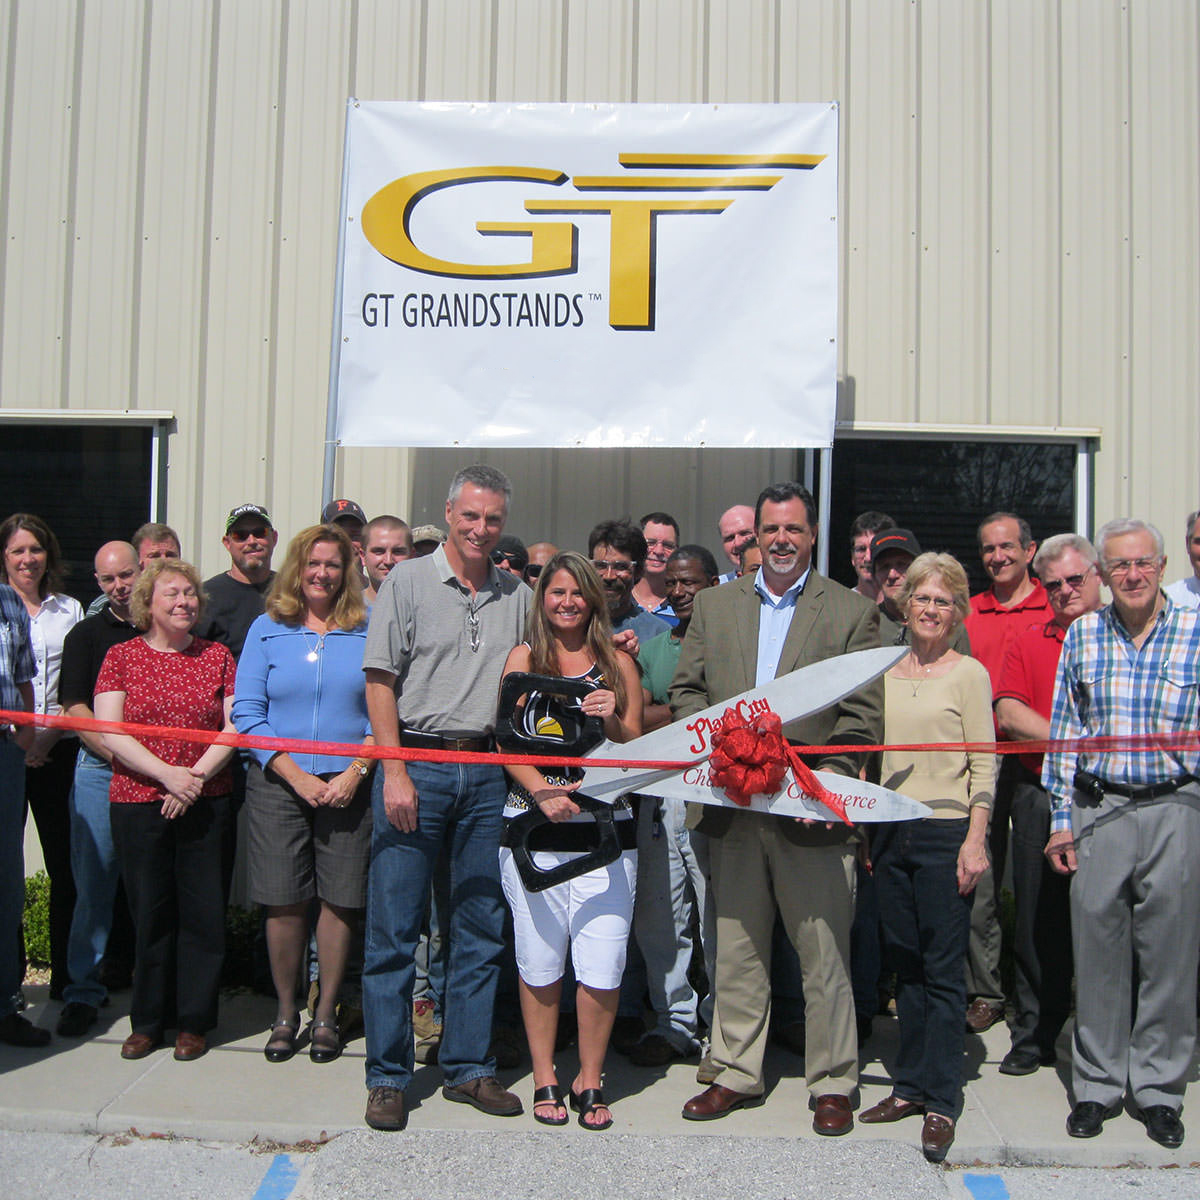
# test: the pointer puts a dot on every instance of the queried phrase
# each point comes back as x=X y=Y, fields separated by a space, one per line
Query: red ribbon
x=750 y=757
x=1183 y=740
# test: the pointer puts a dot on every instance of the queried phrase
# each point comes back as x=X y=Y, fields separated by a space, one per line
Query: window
x=90 y=482
x=941 y=488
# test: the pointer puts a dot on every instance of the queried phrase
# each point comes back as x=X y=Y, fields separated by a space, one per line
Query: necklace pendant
x=311 y=656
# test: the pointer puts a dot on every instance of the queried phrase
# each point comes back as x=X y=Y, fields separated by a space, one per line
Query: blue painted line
x=281 y=1177
x=986 y=1187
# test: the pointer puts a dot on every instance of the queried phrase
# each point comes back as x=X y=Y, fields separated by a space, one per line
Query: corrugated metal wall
x=1020 y=200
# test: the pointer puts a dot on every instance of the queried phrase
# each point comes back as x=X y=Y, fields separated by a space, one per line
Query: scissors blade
x=865 y=802
x=792 y=696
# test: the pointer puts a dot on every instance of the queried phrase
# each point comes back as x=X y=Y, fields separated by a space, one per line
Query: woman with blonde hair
x=926 y=870
x=569 y=636
x=308 y=815
x=169 y=804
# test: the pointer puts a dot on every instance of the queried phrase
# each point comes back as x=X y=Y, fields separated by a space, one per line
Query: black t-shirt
x=84 y=649
x=232 y=608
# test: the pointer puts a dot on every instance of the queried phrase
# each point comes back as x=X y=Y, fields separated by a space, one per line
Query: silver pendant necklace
x=313 y=651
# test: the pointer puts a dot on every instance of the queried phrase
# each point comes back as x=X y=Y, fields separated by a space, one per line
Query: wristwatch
x=361 y=768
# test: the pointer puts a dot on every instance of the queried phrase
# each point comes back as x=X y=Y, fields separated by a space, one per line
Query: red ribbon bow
x=751 y=756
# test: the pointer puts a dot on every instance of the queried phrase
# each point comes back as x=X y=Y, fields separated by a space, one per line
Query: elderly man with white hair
x=1127 y=822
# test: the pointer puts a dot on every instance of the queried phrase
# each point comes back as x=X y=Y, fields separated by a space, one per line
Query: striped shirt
x=1106 y=687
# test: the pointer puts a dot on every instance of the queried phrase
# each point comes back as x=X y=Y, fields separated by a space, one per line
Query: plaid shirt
x=1107 y=687
x=16 y=655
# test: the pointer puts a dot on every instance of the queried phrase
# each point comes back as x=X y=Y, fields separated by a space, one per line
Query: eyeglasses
x=938 y=602
x=240 y=535
x=473 y=627
x=622 y=566
x=532 y=571
x=1122 y=566
x=1074 y=582
x=499 y=556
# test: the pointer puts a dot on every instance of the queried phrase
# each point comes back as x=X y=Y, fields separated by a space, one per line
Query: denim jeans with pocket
x=459 y=806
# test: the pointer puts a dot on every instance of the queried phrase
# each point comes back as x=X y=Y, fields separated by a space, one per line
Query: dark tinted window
x=89 y=483
x=941 y=490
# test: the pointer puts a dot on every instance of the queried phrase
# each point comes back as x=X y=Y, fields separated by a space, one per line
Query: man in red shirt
x=1024 y=696
x=1014 y=601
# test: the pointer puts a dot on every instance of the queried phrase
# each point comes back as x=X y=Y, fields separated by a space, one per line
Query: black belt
x=1098 y=788
x=416 y=740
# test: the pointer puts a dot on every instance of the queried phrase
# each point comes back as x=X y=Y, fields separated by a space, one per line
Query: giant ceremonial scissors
x=791 y=697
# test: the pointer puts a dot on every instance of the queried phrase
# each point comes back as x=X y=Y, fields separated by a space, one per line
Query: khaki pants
x=754 y=870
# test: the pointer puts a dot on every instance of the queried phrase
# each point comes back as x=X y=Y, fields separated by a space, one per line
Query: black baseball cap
x=894 y=539
x=248 y=510
x=335 y=510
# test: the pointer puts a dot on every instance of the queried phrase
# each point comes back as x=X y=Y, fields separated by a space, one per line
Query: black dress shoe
x=76 y=1019
x=1087 y=1118
x=1025 y=1062
x=15 y=1030
x=1162 y=1124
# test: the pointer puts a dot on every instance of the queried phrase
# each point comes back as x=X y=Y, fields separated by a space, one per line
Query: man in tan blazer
x=745 y=633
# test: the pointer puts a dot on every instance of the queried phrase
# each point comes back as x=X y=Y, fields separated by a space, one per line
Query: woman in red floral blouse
x=170 y=807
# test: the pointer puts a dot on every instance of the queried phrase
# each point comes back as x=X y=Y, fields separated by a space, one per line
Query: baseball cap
x=894 y=539
x=247 y=510
x=427 y=533
x=335 y=510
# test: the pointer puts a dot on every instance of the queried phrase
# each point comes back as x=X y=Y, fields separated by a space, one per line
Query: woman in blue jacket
x=308 y=815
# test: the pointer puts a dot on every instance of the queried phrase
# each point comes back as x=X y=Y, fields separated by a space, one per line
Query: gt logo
x=554 y=245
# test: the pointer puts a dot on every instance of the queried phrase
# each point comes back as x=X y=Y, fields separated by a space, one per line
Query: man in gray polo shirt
x=441 y=629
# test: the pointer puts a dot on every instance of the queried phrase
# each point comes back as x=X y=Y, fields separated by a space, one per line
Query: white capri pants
x=591 y=912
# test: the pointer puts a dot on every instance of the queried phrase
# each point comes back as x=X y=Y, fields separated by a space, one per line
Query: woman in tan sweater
x=926 y=870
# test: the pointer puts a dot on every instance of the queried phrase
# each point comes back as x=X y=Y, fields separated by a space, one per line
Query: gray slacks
x=1135 y=920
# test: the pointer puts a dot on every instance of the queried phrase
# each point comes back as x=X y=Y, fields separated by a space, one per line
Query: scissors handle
x=512 y=737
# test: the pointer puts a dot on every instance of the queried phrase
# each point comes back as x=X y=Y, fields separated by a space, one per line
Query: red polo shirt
x=991 y=627
x=1027 y=675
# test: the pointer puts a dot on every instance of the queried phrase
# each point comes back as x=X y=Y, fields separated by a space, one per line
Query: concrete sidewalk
x=233 y=1094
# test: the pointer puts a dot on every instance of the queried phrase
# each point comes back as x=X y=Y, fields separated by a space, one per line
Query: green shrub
x=37 y=919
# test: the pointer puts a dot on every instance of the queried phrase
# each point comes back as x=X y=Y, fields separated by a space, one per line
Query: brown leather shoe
x=983 y=1014
x=832 y=1116
x=138 y=1045
x=486 y=1094
x=716 y=1102
x=937 y=1136
x=385 y=1109
x=894 y=1108
x=190 y=1046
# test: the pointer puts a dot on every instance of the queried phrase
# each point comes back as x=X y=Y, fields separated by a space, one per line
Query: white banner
x=589 y=275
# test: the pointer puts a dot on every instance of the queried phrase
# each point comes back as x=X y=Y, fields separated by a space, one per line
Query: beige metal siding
x=1020 y=200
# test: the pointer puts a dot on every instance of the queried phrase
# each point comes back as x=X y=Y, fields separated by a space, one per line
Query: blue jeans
x=926 y=925
x=431 y=951
x=12 y=868
x=459 y=807
x=94 y=866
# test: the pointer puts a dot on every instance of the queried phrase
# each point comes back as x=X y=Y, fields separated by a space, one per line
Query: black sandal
x=587 y=1102
x=281 y=1046
x=550 y=1094
x=325 y=1050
